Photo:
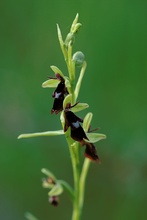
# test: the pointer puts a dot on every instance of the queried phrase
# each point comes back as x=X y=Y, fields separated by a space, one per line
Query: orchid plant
x=77 y=131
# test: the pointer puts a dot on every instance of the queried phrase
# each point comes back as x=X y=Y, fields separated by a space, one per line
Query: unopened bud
x=76 y=27
x=70 y=38
x=78 y=58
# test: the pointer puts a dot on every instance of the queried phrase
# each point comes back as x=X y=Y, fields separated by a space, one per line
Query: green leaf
x=57 y=70
x=80 y=107
x=40 y=134
x=29 y=216
x=87 y=121
x=51 y=83
x=94 y=137
x=56 y=190
x=78 y=85
x=68 y=99
x=48 y=174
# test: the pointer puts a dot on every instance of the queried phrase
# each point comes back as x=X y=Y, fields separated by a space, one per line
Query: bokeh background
x=114 y=40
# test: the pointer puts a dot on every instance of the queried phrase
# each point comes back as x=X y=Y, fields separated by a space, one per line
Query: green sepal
x=68 y=99
x=80 y=107
x=67 y=82
x=62 y=119
x=87 y=121
x=50 y=83
x=48 y=174
x=57 y=70
x=40 y=134
x=56 y=190
x=94 y=137
x=47 y=185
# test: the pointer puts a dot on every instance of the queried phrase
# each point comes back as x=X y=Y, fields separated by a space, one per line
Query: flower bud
x=70 y=38
x=76 y=27
x=78 y=58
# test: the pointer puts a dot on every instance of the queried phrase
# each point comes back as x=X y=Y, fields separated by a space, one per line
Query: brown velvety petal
x=91 y=153
x=72 y=118
x=57 y=105
x=78 y=133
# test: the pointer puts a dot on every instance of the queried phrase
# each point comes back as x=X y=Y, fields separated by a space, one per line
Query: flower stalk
x=65 y=101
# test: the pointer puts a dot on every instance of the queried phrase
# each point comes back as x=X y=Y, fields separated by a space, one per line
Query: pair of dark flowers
x=71 y=120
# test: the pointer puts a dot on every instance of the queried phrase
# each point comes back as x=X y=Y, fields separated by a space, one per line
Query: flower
x=54 y=200
x=78 y=133
x=59 y=94
x=73 y=121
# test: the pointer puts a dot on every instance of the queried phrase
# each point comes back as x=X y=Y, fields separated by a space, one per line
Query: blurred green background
x=114 y=40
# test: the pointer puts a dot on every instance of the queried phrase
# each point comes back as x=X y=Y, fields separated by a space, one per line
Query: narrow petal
x=80 y=107
x=95 y=137
x=48 y=173
x=57 y=70
x=87 y=121
x=56 y=190
x=67 y=100
x=50 y=83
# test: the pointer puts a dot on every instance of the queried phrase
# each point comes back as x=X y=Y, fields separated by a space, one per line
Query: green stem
x=76 y=170
x=82 y=182
x=74 y=148
x=74 y=153
x=68 y=188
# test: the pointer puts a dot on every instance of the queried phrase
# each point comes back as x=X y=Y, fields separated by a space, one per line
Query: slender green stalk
x=74 y=147
x=76 y=173
x=82 y=182
x=74 y=153
x=68 y=188
x=79 y=180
